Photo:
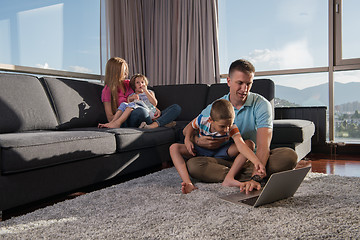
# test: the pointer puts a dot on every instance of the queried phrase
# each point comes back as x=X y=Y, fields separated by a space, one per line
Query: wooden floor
x=344 y=165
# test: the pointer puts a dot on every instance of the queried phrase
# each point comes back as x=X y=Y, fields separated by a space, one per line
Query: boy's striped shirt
x=203 y=124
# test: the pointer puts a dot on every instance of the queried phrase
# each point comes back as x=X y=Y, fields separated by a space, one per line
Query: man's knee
x=196 y=165
x=206 y=169
x=281 y=159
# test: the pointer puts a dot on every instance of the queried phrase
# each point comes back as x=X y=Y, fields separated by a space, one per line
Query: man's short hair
x=222 y=109
x=242 y=65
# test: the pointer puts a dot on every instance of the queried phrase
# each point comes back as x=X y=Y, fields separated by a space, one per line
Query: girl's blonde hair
x=134 y=77
x=115 y=73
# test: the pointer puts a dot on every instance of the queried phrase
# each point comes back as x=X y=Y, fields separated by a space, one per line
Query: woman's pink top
x=106 y=93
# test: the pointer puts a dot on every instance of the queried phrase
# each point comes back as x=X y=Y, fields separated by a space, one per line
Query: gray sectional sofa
x=50 y=143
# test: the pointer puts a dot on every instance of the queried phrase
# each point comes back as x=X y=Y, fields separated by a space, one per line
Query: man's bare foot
x=230 y=182
x=187 y=187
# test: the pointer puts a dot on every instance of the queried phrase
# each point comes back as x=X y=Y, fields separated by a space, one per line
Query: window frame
x=48 y=72
x=340 y=62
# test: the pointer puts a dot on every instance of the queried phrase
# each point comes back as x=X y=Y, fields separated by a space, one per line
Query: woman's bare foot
x=152 y=125
x=230 y=182
x=170 y=124
x=187 y=187
x=108 y=125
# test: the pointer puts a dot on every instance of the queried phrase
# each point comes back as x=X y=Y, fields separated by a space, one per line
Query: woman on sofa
x=117 y=90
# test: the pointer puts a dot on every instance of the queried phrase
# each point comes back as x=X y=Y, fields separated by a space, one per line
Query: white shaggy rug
x=152 y=207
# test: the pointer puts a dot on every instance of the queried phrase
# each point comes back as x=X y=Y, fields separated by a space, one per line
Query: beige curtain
x=170 y=41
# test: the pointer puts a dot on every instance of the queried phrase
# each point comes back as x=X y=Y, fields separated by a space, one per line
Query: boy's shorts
x=221 y=152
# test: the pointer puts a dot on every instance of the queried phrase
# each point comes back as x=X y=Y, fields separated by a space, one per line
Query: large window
x=308 y=48
x=347 y=106
x=305 y=90
x=274 y=35
x=350 y=36
x=57 y=35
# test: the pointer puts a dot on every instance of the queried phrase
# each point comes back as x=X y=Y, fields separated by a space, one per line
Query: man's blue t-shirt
x=255 y=113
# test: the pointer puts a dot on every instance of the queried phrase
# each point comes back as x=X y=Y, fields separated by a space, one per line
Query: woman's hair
x=116 y=71
x=133 y=78
x=222 y=109
x=243 y=66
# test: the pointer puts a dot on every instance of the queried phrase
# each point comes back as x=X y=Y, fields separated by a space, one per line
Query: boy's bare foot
x=230 y=182
x=187 y=187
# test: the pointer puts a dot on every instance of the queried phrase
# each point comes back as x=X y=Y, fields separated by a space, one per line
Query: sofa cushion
x=76 y=103
x=128 y=139
x=24 y=104
x=292 y=131
x=190 y=97
x=33 y=150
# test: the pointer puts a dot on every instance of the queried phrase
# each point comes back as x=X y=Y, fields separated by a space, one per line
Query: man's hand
x=249 y=186
x=260 y=169
x=209 y=142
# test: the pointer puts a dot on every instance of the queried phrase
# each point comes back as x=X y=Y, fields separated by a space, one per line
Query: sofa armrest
x=292 y=131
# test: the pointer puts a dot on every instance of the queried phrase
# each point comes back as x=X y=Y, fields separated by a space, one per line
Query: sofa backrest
x=264 y=87
x=193 y=98
x=190 y=97
x=24 y=105
x=76 y=103
x=216 y=91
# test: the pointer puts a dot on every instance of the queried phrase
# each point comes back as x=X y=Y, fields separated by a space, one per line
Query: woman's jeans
x=169 y=115
x=141 y=114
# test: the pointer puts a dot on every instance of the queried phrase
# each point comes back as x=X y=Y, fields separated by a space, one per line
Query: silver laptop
x=280 y=185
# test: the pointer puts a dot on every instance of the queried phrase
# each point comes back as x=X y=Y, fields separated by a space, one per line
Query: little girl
x=142 y=97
